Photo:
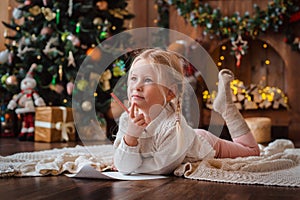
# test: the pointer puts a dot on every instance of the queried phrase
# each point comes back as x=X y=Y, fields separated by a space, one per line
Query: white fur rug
x=278 y=165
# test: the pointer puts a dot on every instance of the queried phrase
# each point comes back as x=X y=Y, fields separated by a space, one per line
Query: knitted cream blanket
x=57 y=161
x=278 y=164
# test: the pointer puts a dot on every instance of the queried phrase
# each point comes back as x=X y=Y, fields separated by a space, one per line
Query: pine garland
x=276 y=17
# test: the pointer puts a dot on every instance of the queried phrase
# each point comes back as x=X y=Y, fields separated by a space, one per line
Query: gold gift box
x=54 y=124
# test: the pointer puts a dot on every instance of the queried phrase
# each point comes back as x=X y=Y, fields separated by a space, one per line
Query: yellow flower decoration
x=35 y=10
x=49 y=15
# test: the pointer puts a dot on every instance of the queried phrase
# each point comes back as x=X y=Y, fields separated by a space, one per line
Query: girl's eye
x=148 y=80
x=133 y=78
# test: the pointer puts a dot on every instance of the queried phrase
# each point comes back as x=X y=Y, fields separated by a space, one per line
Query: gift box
x=54 y=124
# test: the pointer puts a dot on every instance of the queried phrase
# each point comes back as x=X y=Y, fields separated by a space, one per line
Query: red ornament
x=238 y=47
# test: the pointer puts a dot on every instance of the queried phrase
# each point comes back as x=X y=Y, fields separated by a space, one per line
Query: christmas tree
x=58 y=36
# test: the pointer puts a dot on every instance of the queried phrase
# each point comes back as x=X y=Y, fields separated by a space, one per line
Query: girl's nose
x=138 y=86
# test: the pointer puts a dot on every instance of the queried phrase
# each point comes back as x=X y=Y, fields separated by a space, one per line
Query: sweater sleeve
x=126 y=158
x=161 y=158
x=166 y=155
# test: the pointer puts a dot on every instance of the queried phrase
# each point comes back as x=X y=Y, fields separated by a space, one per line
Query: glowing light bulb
x=267 y=61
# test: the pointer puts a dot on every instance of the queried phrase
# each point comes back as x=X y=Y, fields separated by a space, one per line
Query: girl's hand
x=136 y=122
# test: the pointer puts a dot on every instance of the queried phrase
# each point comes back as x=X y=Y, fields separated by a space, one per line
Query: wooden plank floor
x=62 y=187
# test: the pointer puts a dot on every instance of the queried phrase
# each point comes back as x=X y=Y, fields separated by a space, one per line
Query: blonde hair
x=169 y=67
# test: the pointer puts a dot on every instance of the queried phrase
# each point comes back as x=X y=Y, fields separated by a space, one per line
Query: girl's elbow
x=125 y=167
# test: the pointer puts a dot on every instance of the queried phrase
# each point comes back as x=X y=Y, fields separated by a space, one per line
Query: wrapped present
x=54 y=124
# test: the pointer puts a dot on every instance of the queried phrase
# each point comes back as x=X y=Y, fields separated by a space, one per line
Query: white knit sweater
x=157 y=147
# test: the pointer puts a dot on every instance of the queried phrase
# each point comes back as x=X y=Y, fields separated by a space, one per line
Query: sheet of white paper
x=89 y=172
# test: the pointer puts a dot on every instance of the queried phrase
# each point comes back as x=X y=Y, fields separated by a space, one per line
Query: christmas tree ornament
x=86 y=106
x=94 y=53
x=65 y=36
x=104 y=80
x=70 y=87
x=102 y=5
x=45 y=2
x=97 y=21
x=239 y=47
x=3 y=78
x=117 y=71
x=70 y=8
x=119 y=68
x=71 y=60
x=53 y=81
x=12 y=80
x=82 y=85
x=60 y=72
x=35 y=10
x=77 y=30
x=25 y=50
x=48 y=14
x=17 y=13
x=103 y=35
x=4 y=56
x=74 y=39
x=57 y=16
x=27 y=2
x=51 y=49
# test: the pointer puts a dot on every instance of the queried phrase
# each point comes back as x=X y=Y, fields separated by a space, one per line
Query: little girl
x=154 y=137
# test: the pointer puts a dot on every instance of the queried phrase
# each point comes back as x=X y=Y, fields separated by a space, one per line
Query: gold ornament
x=86 y=106
x=82 y=84
x=49 y=15
x=104 y=80
x=97 y=21
x=35 y=10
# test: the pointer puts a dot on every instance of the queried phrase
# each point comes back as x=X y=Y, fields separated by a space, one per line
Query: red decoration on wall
x=239 y=46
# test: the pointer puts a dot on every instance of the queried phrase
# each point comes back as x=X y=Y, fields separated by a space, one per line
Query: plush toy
x=26 y=101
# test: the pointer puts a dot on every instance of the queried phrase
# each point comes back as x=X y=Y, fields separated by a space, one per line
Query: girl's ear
x=171 y=94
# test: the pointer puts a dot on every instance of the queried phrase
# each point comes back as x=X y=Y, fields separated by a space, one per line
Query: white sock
x=224 y=105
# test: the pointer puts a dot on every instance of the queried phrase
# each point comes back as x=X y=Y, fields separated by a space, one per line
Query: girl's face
x=143 y=87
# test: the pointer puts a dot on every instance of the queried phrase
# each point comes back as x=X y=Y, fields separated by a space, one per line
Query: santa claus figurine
x=26 y=101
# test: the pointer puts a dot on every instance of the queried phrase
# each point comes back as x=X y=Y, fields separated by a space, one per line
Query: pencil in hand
x=119 y=102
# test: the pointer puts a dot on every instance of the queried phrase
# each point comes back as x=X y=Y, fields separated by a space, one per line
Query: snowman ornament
x=25 y=102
